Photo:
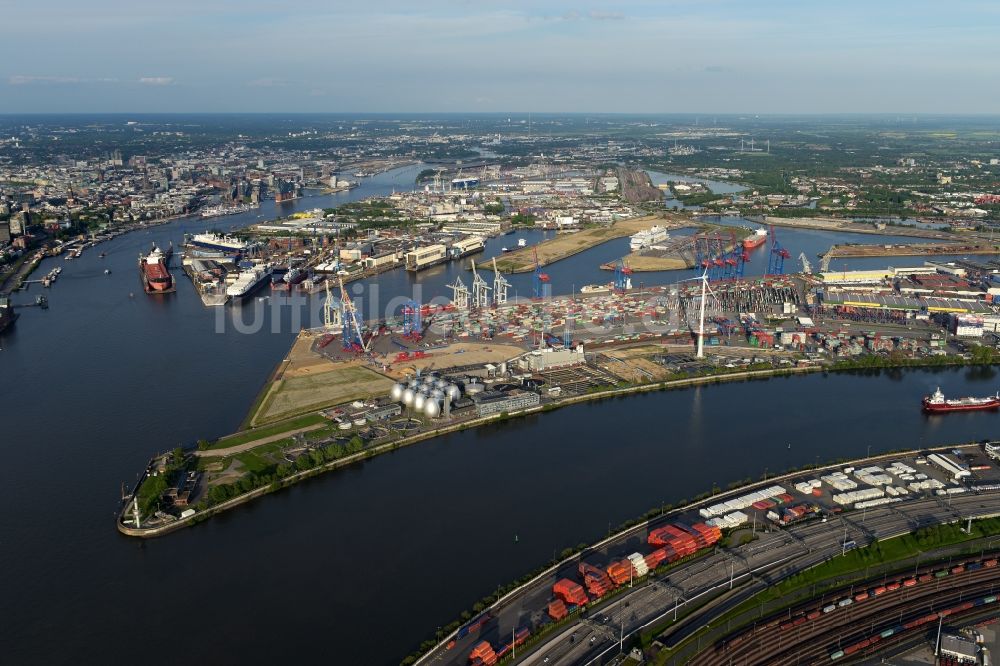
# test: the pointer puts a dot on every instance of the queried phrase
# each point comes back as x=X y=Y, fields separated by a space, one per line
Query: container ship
x=758 y=238
x=936 y=402
x=247 y=281
x=156 y=277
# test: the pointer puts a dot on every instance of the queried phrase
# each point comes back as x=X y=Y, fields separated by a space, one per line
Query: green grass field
x=295 y=395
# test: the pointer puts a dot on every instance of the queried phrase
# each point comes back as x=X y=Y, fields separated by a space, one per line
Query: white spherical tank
x=453 y=392
x=408 y=396
x=397 y=392
x=437 y=394
x=432 y=409
x=419 y=401
x=441 y=383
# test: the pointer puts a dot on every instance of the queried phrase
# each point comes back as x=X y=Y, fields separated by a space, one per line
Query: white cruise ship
x=247 y=281
x=212 y=241
x=648 y=238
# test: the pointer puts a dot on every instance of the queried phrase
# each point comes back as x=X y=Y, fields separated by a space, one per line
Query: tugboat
x=936 y=403
x=156 y=278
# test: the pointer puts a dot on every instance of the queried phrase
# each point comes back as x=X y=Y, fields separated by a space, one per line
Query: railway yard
x=699 y=603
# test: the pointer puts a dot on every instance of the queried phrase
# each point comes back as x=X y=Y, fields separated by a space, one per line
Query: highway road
x=774 y=556
x=776 y=553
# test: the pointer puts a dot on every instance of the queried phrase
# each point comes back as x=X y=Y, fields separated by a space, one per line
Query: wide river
x=360 y=565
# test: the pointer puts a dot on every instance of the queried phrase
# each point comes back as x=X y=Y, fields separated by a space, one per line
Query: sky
x=393 y=56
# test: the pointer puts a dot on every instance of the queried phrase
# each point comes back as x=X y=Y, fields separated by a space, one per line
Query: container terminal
x=481 y=355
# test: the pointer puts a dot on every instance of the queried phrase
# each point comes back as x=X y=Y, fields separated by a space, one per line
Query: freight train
x=810 y=613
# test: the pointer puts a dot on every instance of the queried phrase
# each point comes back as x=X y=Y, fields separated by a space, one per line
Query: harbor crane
x=353 y=336
x=806 y=266
x=411 y=320
x=776 y=259
x=460 y=294
x=623 y=277
x=480 y=290
x=332 y=312
x=500 y=285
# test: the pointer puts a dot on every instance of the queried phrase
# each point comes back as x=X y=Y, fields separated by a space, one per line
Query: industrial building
x=425 y=257
x=384 y=412
x=546 y=359
x=495 y=402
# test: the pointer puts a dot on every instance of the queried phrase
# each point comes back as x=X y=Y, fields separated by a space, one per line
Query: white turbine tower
x=701 y=318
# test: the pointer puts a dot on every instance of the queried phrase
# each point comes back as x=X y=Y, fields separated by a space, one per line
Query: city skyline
x=631 y=57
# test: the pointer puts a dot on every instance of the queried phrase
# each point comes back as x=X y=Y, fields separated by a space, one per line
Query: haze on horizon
x=634 y=56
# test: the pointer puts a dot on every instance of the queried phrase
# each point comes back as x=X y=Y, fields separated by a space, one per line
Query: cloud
x=22 y=80
x=268 y=83
x=156 y=80
x=606 y=16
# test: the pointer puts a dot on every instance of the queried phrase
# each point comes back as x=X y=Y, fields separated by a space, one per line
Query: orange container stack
x=570 y=592
x=595 y=580
x=620 y=572
x=557 y=610
x=679 y=540
x=483 y=655
x=656 y=558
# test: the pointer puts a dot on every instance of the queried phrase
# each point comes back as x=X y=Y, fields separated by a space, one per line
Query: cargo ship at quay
x=155 y=272
x=756 y=239
x=936 y=403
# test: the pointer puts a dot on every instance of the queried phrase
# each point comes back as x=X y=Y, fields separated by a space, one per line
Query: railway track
x=894 y=609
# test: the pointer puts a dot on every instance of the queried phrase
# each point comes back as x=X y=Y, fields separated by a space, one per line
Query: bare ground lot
x=565 y=245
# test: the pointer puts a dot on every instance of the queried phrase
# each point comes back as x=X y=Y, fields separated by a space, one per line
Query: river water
x=360 y=565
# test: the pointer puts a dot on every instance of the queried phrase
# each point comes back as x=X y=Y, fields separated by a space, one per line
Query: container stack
x=620 y=572
x=684 y=540
x=597 y=582
x=557 y=610
x=656 y=558
x=483 y=655
x=638 y=564
x=571 y=593
x=862 y=495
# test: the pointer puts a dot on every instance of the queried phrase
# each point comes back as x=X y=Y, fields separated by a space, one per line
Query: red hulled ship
x=156 y=277
x=936 y=402
x=756 y=239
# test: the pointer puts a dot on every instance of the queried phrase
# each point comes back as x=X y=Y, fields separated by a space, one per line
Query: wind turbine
x=701 y=319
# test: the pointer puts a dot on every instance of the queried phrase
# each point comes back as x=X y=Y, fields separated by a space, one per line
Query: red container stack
x=620 y=572
x=557 y=610
x=570 y=592
x=677 y=540
x=483 y=655
x=597 y=582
